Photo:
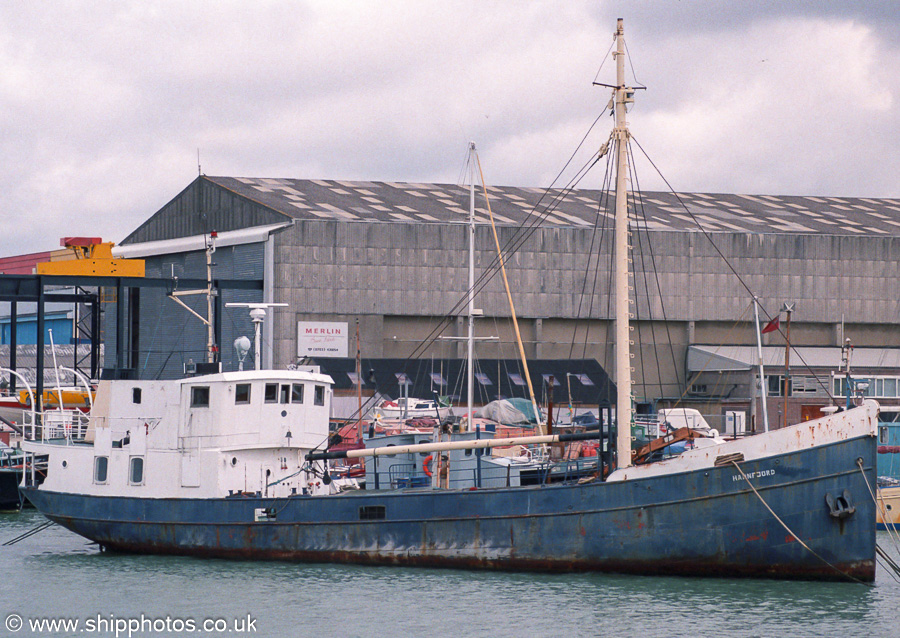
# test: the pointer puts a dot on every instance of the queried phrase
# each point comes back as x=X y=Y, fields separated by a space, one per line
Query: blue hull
x=706 y=522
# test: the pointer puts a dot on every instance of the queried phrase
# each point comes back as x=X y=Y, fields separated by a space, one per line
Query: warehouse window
x=483 y=379
x=516 y=379
x=585 y=379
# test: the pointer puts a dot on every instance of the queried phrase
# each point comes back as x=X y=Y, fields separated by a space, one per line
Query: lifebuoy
x=426 y=464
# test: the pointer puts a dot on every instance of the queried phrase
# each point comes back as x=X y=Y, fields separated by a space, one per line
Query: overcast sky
x=104 y=105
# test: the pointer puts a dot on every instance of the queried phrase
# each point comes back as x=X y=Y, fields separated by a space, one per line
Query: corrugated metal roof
x=734 y=358
x=26 y=362
x=430 y=203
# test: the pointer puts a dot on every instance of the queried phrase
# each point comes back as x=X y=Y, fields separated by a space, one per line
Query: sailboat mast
x=512 y=306
x=623 y=300
x=470 y=344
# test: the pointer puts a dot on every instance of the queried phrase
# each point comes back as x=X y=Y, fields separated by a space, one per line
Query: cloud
x=799 y=117
x=103 y=111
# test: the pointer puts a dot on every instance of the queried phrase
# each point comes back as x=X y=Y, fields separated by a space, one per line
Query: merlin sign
x=322 y=339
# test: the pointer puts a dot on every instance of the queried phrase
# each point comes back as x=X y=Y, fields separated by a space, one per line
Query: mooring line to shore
x=797 y=538
x=887 y=562
x=888 y=524
x=29 y=533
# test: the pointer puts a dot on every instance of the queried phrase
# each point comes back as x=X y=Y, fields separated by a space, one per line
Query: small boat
x=12 y=464
x=888 y=505
x=231 y=465
x=410 y=408
x=888 y=475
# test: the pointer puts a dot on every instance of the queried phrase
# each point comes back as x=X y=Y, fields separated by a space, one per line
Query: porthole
x=65 y=464
x=233 y=461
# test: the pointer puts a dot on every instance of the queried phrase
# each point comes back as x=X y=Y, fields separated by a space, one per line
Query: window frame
x=238 y=397
x=133 y=462
x=97 y=480
x=197 y=396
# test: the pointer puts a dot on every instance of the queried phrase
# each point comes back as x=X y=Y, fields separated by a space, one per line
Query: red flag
x=772 y=326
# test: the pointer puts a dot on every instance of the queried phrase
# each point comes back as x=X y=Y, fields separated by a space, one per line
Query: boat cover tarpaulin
x=508 y=411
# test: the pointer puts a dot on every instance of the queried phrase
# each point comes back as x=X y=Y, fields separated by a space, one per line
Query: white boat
x=410 y=408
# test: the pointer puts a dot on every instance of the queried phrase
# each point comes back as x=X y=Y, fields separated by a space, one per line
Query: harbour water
x=56 y=575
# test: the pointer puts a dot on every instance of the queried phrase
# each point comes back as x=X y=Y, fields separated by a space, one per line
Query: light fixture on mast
x=257 y=316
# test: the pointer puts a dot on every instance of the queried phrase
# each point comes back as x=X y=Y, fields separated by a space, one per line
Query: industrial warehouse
x=393 y=256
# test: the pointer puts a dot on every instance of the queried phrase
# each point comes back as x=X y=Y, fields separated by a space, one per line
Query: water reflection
x=70 y=577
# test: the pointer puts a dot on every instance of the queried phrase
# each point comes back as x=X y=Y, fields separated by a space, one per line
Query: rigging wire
x=512 y=246
x=638 y=84
x=605 y=58
x=598 y=229
x=706 y=234
x=639 y=206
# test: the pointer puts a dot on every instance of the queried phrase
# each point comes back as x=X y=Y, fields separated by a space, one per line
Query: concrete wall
x=404 y=279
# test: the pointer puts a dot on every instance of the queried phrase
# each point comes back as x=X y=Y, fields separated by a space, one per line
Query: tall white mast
x=623 y=299
x=470 y=353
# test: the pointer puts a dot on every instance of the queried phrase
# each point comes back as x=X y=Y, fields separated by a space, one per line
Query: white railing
x=70 y=426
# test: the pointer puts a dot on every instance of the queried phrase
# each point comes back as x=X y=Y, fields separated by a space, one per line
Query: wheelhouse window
x=101 y=467
x=285 y=393
x=297 y=393
x=242 y=394
x=319 y=396
x=136 y=470
x=135 y=395
x=271 y=393
x=200 y=396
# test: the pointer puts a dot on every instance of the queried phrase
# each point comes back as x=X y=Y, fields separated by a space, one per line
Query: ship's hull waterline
x=702 y=522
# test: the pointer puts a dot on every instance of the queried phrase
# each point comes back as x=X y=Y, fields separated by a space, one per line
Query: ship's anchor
x=840 y=507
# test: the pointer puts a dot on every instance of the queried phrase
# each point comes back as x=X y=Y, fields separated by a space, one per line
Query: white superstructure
x=200 y=437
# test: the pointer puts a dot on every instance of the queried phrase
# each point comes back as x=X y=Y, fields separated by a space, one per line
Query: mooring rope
x=29 y=533
x=889 y=526
x=892 y=565
x=789 y=531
